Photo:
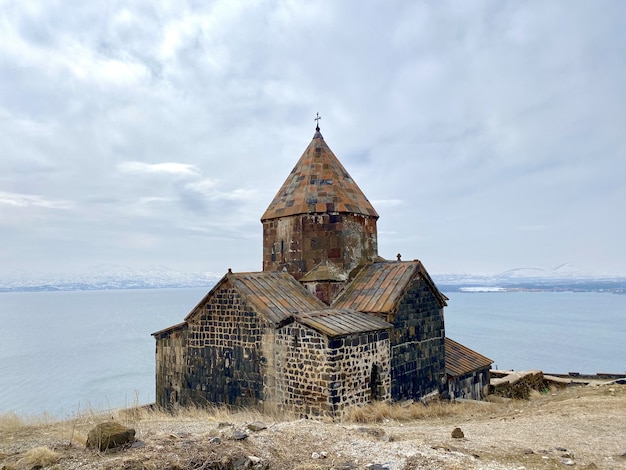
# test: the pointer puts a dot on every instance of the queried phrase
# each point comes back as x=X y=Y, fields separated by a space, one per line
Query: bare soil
x=581 y=427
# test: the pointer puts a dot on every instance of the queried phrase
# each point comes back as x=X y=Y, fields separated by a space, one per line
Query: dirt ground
x=582 y=427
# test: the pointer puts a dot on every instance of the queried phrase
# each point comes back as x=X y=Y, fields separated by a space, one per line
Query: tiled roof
x=170 y=329
x=339 y=322
x=276 y=295
x=280 y=298
x=461 y=360
x=318 y=184
x=379 y=286
x=325 y=271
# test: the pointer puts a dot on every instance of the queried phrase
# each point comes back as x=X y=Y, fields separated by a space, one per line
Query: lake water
x=65 y=352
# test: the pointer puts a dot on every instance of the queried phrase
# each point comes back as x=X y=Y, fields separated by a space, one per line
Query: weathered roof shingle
x=276 y=295
x=339 y=322
x=318 y=184
x=380 y=286
x=461 y=360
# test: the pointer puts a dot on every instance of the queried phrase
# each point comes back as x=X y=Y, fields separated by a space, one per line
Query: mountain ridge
x=106 y=277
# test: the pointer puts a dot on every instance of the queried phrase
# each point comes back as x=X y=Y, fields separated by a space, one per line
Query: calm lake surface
x=65 y=352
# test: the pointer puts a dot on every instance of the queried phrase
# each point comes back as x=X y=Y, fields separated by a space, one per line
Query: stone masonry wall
x=417 y=344
x=171 y=365
x=225 y=359
x=303 y=370
x=300 y=242
x=474 y=385
x=318 y=376
x=362 y=369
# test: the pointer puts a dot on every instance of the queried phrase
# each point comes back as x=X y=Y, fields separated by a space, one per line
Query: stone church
x=326 y=325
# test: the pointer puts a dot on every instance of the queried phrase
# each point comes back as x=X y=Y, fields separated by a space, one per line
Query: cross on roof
x=317 y=121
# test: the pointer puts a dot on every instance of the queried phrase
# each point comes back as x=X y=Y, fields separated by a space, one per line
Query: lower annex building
x=327 y=324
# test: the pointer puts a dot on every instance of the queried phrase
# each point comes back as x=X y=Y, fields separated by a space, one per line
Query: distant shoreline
x=612 y=286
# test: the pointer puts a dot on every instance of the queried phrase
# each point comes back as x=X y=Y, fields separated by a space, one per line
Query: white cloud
x=32 y=200
x=487 y=135
x=172 y=168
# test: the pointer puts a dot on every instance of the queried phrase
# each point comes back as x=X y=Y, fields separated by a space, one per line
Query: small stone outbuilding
x=467 y=372
x=326 y=325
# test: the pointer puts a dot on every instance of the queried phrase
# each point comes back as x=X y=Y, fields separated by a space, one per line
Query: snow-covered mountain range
x=563 y=277
x=104 y=277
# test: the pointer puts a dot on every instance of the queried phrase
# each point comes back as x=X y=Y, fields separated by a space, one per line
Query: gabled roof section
x=325 y=271
x=379 y=286
x=169 y=330
x=461 y=360
x=318 y=184
x=275 y=295
x=340 y=322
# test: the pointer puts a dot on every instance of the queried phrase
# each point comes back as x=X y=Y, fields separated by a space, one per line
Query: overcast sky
x=487 y=135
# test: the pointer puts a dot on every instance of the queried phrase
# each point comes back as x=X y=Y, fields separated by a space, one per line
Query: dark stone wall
x=471 y=386
x=300 y=242
x=224 y=360
x=417 y=344
x=171 y=366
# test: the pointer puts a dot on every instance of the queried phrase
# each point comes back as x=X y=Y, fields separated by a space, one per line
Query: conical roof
x=318 y=184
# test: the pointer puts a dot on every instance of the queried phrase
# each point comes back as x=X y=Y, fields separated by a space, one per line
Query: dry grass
x=38 y=457
x=11 y=422
x=215 y=414
x=508 y=432
x=380 y=411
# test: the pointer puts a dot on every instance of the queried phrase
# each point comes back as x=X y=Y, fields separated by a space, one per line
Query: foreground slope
x=579 y=426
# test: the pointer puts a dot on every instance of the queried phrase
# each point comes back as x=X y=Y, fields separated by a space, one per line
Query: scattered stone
x=347 y=466
x=441 y=447
x=241 y=463
x=528 y=452
x=568 y=462
x=136 y=464
x=110 y=434
x=224 y=424
x=215 y=440
x=254 y=459
x=457 y=433
x=430 y=398
x=376 y=432
x=377 y=466
x=257 y=426
x=138 y=445
x=622 y=455
x=561 y=449
x=239 y=435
